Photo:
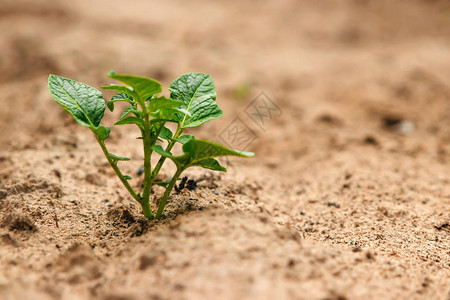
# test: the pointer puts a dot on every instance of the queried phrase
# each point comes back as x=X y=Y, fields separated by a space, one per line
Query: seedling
x=192 y=102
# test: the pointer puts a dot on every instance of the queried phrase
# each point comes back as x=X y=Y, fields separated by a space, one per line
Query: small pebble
x=406 y=127
x=140 y=171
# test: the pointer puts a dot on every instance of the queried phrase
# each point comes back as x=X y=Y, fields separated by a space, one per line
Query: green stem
x=148 y=179
x=147 y=161
x=113 y=163
x=147 y=210
x=168 y=149
x=172 y=182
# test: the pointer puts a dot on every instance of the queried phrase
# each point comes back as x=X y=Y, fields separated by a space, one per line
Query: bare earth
x=348 y=196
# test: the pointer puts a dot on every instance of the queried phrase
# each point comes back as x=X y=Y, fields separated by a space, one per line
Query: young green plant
x=192 y=102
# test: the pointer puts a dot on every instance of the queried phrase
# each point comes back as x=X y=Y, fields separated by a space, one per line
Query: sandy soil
x=348 y=196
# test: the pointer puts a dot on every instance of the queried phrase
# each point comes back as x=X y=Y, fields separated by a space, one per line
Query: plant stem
x=119 y=174
x=172 y=182
x=147 y=161
x=147 y=210
x=168 y=149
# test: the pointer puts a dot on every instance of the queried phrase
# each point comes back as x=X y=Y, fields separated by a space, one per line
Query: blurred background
x=353 y=57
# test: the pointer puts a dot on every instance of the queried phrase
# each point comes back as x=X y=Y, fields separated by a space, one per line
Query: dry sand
x=348 y=196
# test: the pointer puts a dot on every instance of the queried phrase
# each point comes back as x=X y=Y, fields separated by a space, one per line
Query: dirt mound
x=18 y=221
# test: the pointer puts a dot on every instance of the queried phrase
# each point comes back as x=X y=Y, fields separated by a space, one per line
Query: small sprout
x=192 y=102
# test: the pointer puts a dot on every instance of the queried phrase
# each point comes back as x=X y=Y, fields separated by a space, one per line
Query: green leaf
x=119 y=97
x=102 y=132
x=198 y=93
x=83 y=102
x=163 y=102
x=127 y=177
x=155 y=121
x=169 y=114
x=122 y=97
x=166 y=134
x=123 y=89
x=184 y=139
x=131 y=120
x=199 y=153
x=211 y=164
x=163 y=108
x=110 y=105
x=130 y=109
x=158 y=149
x=144 y=87
x=201 y=149
x=183 y=111
x=117 y=158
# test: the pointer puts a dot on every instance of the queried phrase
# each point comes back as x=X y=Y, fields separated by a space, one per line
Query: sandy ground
x=348 y=196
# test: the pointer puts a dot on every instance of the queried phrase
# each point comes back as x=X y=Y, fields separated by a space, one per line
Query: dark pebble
x=140 y=171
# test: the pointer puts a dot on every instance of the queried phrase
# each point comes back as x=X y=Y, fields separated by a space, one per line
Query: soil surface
x=345 y=103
